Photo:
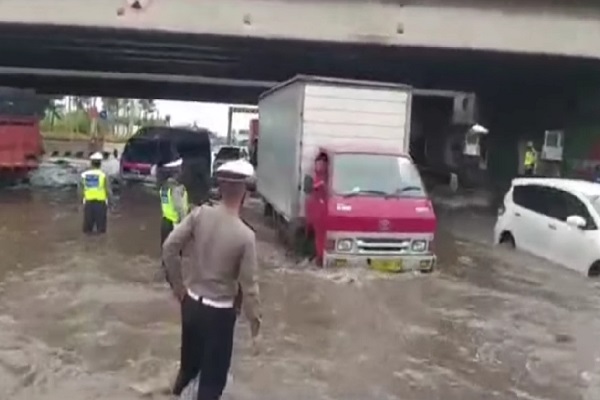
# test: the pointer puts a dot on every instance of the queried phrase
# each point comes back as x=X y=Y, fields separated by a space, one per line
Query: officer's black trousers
x=529 y=171
x=166 y=227
x=206 y=347
x=94 y=216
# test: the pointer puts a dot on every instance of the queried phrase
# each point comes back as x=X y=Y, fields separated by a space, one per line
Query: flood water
x=87 y=318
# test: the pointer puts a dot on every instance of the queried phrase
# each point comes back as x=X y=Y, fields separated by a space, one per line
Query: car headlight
x=344 y=245
x=419 y=246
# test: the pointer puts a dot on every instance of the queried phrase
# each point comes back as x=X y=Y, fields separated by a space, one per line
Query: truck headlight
x=419 y=246
x=344 y=245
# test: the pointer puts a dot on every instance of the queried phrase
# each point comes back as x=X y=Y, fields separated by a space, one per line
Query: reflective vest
x=530 y=158
x=169 y=211
x=94 y=185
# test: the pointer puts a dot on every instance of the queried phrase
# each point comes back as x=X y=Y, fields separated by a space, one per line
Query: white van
x=557 y=219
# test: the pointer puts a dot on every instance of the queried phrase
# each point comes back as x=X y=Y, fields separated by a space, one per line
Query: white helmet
x=97 y=156
x=174 y=164
x=235 y=171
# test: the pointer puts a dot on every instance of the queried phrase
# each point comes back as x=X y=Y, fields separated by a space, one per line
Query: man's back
x=220 y=254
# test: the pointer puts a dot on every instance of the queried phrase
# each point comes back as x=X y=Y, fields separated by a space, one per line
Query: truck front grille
x=383 y=245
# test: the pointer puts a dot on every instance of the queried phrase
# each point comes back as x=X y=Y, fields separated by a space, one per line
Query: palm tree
x=112 y=107
x=148 y=107
x=55 y=110
x=83 y=103
x=51 y=108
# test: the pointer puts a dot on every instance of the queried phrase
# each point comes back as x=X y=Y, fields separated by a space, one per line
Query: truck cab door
x=316 y=189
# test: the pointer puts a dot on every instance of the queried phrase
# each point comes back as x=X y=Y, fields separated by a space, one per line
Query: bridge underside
x=524 y=26
x=220 y=62
x=520 y=94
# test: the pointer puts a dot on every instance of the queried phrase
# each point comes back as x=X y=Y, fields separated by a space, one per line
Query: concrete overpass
x=533 y=63
x=526 y=26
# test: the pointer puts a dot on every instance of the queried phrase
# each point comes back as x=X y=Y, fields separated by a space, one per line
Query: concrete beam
x=143 y=77
x=560 y=29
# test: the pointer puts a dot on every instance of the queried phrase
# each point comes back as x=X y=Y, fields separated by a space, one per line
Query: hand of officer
x=255 y=327
x=179 y=295
x=256 y=345
x=256 y=337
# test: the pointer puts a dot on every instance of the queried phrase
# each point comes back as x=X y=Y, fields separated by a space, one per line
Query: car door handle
x=552 y=226
x=517 y=214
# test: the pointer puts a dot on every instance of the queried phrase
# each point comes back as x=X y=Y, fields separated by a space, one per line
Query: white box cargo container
x=305 y=113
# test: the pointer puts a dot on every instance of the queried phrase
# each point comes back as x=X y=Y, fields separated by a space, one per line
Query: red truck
x=21 y=144
x=334 y=172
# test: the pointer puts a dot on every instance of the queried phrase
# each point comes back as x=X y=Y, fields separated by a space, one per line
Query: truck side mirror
x=308 y=184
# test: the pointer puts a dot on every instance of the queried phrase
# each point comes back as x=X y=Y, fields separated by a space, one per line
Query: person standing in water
x=224 y=258
x=95 y=192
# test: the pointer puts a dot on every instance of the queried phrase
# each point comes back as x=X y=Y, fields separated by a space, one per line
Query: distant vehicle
x=334 y=173
x=20 y=137
x=228 y=153
x=557 y=219
x=158 y=145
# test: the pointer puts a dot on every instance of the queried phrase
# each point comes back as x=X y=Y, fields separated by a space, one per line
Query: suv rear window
x=228 y=153
x=143 y=151
x=160 y=145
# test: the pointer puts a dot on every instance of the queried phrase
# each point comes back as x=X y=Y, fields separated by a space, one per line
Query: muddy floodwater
x=87 y=318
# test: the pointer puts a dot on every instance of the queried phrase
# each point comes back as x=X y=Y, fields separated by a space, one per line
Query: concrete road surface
x=86 y=318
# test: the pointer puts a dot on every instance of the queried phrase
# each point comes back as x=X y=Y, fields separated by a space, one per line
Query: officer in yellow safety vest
x=173 y=198
x=530 y=161
x=95 y=194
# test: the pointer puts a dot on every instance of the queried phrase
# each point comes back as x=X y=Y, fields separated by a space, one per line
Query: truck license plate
x=387 y=265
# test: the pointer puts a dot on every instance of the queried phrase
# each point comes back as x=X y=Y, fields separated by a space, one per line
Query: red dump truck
x=334 y=173
x=21 y=144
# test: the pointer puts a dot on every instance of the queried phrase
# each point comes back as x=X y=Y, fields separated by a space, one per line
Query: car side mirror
x=308 y=184
x=576 y=221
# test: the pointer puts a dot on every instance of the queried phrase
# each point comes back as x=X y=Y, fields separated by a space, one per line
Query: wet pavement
x=85 y=318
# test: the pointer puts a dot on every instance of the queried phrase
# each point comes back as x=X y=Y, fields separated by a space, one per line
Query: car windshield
x=375 y=174
x=228 y=153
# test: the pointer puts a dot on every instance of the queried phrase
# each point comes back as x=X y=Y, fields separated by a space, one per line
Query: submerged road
x=86 y=318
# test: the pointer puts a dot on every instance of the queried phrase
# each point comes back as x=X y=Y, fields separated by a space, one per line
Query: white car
x=557 y=219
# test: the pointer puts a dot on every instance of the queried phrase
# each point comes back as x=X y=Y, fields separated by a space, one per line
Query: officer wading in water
x=530 y=160
x=223 y=259
x=95 y=193
x=173 y=198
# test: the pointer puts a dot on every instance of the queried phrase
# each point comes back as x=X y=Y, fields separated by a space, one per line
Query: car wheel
x=594 y=270
x=507 y=240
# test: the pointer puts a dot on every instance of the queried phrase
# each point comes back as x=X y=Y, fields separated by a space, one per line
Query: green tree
x=83 y=103
x=148 y=108
x=112 y=107
x=53 y=110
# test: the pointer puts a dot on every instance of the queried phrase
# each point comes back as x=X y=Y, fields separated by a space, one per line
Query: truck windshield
x=375 y=174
